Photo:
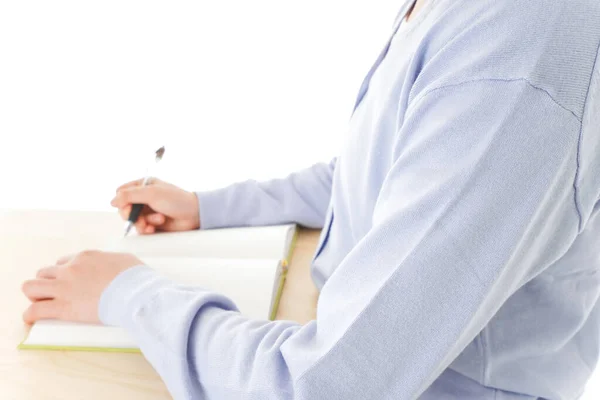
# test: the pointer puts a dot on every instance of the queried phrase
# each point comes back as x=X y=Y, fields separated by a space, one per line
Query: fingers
x=155 y=219
x=141 y=224
x=149 y=221
x=146 y=224
x=134 y=195
x=149 y=224
x=124 y=212
x=39 y=289
x=136 y=182
x=65 y=259
x=47 y=273
x=44 y=309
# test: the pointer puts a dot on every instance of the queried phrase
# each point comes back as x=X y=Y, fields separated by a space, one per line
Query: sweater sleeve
x=301 y=197
x=480 y=195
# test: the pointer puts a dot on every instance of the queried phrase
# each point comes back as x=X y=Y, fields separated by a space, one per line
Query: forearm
x=197 y=341
x=301 y=197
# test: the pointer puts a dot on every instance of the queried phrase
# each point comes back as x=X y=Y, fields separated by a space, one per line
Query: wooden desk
x=32 y=239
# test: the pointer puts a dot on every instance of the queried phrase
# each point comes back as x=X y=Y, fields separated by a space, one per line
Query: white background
x=234 y=89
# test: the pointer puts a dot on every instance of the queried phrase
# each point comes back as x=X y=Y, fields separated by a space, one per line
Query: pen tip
x=127 y=229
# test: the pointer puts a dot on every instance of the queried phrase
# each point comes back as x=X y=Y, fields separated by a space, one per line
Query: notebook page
x=74 y=334
x=248 y=282
x=249 y=242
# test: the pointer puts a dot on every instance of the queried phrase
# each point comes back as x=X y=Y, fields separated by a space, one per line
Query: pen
x=136 y=209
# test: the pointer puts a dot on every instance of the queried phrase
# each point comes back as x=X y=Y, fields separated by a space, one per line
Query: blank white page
x=249 y=242
x=74 y=334
x=248 y=282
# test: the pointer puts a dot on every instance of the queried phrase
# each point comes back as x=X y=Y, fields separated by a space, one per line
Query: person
x=460 y=250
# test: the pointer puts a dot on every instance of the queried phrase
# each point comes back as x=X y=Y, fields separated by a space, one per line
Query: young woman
x=461 y=244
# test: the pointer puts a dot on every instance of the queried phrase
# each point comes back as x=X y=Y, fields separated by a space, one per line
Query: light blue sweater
x=460 y=253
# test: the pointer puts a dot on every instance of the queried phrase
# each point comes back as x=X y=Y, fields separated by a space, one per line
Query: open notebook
x=246 y=264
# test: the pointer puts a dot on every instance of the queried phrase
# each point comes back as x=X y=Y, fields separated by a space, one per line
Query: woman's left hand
x=70 y=290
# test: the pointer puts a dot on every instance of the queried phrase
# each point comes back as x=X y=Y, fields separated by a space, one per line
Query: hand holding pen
x=152 y=205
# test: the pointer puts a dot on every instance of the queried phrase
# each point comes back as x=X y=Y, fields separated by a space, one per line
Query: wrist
x=195 y=211
x=125 y=293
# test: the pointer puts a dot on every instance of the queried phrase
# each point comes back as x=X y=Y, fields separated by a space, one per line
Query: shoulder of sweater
x=551 y=44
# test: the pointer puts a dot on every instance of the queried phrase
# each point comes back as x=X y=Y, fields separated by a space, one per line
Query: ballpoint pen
x=136 y=209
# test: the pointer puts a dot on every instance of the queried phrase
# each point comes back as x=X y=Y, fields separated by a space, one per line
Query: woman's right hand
x=167 y=208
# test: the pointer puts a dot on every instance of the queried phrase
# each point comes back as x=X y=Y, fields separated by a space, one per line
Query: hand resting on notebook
x=70 y=290
x=167 y=207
